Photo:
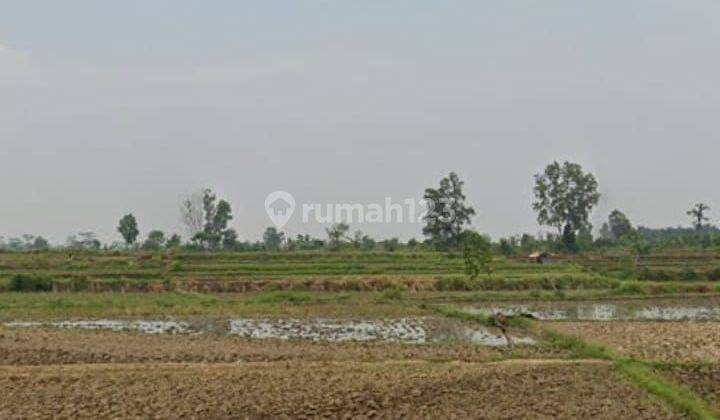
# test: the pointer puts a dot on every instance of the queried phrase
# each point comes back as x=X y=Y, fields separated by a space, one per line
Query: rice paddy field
x=357 y=335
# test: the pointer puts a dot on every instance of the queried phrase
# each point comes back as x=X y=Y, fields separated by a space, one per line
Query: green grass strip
x=676 y=395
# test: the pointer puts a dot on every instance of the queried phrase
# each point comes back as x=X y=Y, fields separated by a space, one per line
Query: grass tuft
x=676 y=395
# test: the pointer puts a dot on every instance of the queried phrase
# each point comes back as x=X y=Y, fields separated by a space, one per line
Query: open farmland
x=323 y=209
x=325 y=271
x=338 y=390
x=341 y=271
x=323 y=334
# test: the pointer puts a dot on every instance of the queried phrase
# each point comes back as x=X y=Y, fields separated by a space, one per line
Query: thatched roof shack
x=540 y=257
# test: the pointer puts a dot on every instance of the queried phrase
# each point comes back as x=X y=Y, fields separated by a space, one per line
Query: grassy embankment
x=641 y=373
x=347 y=271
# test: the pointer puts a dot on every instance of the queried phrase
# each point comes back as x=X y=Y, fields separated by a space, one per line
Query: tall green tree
x=698 y=215
x=40 y=243
x=128 y=228
x=155 y=240
x=618 y=225
x=447 y=214
x=173 y=241
x=528 y=243
x=217 y=215
x=564 y=198
x=273 y=239
x=229 y=239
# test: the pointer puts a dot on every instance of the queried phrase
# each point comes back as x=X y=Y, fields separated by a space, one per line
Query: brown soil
x=703 y=379
x=660 y=341
x=328 y=389
x=56 y=346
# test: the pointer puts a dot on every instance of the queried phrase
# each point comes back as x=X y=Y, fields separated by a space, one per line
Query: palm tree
x=697 y=213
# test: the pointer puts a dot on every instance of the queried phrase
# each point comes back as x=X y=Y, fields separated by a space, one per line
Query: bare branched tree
x=698 y=215
x=192 y=213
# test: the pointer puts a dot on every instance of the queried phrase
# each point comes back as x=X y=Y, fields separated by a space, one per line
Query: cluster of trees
x=205 y=217
x=565 y=196
x=338 y=237
x=24 y=243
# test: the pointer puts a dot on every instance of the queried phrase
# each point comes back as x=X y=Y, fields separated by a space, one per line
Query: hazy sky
x=126 y=106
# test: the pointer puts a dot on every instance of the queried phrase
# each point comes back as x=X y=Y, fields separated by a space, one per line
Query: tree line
x=564 y=198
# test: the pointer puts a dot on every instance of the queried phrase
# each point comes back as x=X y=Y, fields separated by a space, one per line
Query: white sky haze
x=115 y=107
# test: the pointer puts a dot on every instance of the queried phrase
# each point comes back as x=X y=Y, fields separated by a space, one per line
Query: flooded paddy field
x=418 y=330
x=655 y=309
x=54 y=346
x=360 y=354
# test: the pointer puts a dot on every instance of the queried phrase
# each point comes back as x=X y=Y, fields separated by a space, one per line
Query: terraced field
x=242 y=272
x=339 y=335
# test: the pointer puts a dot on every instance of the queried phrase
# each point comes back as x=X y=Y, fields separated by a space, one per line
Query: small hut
x=539 y=257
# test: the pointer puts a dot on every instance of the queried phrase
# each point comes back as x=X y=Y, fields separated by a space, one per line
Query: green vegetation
x=29 y=283
x=640 y=373
x=358 y=271
x=448 y=214
x=477 y=254
x=564 y=198
x=83 y=305
x=128 y=229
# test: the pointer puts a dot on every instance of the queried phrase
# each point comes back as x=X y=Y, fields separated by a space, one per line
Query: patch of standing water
x=399 y=330
x=606 y=311
x=148 y=327
x=403 y=330
x=550 y=315
x=679 y=314
x=486 y=338
x=406 y=330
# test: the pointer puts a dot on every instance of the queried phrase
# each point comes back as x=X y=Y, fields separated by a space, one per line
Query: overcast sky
x=126 y=106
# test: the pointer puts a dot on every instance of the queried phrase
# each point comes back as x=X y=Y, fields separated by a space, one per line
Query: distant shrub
x=654 y=275
x=455 y=284
x=393 y=294
x=689 y=275
x=631 y=288
x=175 y=266
x=713 y=275
x=642 y=288
x=79 y=284
x=626 y=274
x=644 y=274
x=563 y=282
x=282 y=297
x=354 y=285
x=29 y=283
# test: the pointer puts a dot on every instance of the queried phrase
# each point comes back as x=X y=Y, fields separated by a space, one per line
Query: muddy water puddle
x=421 y=330
x=147 y=327
x=401 y=330
x=691 y=309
